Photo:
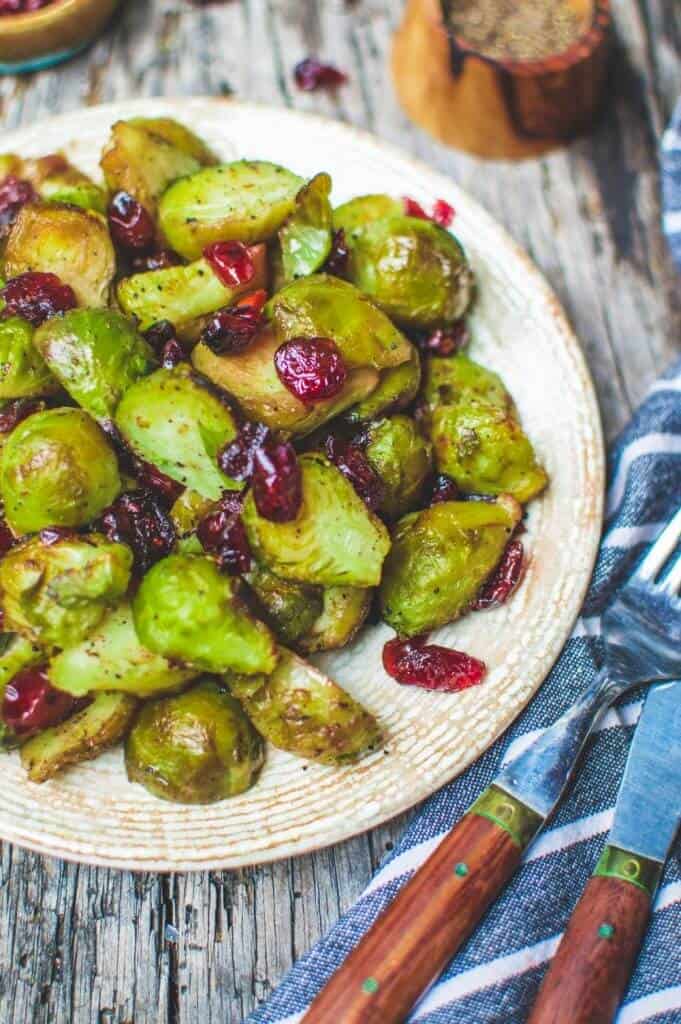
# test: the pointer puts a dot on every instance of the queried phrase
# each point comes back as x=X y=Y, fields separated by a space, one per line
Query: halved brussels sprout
x=177 y=424
x=291 y=608
x=74 y=244
x=82 y=737
x=334 y=541
x=56 y=593
x=343 y=614
x=113 y=658
x=402 y=458
x=397 y=388
x=57 y=469
x=189 y=611
x=251 y=378
x=23 y=374
x=305 y=238
x=439 y=560
x=69 y=185
x=187 y=512
x=184 y=294
x=96 y=354
x=196 y=748
x=178 y=135
x=142 y=157
x=363 y=210
x=413 y=269
x=299 y=709
x=476 y=433
x=247 y=200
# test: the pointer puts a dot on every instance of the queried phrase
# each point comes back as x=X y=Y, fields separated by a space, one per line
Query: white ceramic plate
x=93 y=814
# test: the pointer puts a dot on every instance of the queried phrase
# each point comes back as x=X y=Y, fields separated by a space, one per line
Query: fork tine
x=661 y=549
x=672 y=581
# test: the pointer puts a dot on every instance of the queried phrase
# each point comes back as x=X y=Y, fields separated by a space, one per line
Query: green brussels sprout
x=413 y=269
x=75 y=188
x=16 y=653
x=334 y=541
x=82 y=737
x=397 y=388
x=363 y=210
x=57 y=469
x=96 y=354
x=402 y=458
x=179 y=136
x=55 y=594
x=23 y=374
x=196 y=748
x=143 y=159
x=476 y=433
x=305 y=238
x=251 y=378
x=10 y=163
x=186 y=513
x=174 y=422
x=247 y=200
x=290 y=608
x=343 y=615
x=72 y=243
x=187 y=610
x=183 y=294
x=113 y=658
x=299 y=709
x=440 y=559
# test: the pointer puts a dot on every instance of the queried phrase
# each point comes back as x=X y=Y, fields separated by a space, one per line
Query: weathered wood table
x=86 y=946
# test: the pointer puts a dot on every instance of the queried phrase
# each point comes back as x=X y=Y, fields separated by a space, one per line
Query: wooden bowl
x=29 y=42
x=499 y=108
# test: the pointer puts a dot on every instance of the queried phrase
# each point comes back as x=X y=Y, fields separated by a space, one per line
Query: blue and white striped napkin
x=495 y=977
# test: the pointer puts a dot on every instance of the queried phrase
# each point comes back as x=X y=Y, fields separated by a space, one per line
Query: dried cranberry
x=14 y=193
x=7 y=538
x=430 y=666
x=445 y=341
x=277 y=482
x=36 y=296
x=139 y=520
x=159 y=334
x=337 y=260
x=311 y=74
x=31 y=703
x=17 y=410
x=237 y=458
x=172 y=354
x=222 y=534
x=150 y=478
x=231 y=262
x=444 y=489
x=504 y=579
x=131 y=226
x=53 y=534
x=414 y=209
x=443 y=213
x=232 y=329
x=255 y=300
x=349 y=458
x=160 y=259
x=311 y=368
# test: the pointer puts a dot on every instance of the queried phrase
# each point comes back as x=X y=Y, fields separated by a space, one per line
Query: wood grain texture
x=415 y=937
x=590 y=971
x=82 y=945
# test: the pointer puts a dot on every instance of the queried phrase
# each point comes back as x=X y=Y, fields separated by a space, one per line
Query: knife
x=589 y=973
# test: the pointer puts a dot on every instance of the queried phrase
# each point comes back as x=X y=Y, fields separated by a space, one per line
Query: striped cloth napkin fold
x=495 y=977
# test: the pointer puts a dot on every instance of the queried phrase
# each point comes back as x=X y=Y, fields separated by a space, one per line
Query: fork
x=436 y=911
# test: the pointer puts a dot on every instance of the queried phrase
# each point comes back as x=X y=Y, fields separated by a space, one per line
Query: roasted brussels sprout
x=305 y=238
x=96 y=354
x=439 y=560
x=74 y=244
x=113 y=658
x=357 y=213
x=291 y=608
x=177 y=424
x=56 y=593
x=402 y=458
x=186 y=514
x=397 y=388
x=248 y=200
x=71 y=186
x=177 y=135
x=183 y=294
x=334 y=541
x=82 y=737
x=143 y=157
x=187 y=610
x=57 y=469
x=342 y=615
x=23 y=374
x=299 y=709
x=196 y=748
x=476 y=433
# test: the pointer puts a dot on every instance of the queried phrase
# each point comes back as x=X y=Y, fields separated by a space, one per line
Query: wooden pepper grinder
x=499 y=107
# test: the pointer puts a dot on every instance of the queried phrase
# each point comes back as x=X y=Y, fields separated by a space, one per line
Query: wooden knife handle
x=590 y=971
x=432 y=915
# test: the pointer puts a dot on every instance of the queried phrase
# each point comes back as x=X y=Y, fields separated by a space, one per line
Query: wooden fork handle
x=432 y=915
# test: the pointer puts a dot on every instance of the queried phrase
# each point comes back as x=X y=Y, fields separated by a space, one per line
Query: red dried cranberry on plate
x=505 y=578
x=30 y=703
x=231 y=262
x=311 y=368
x=131 y=226
x=415 y=662
x=311 y=74
x=37 y=296
x=277 y=482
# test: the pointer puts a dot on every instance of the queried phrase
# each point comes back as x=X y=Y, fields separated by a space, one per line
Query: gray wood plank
x=82 y=945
